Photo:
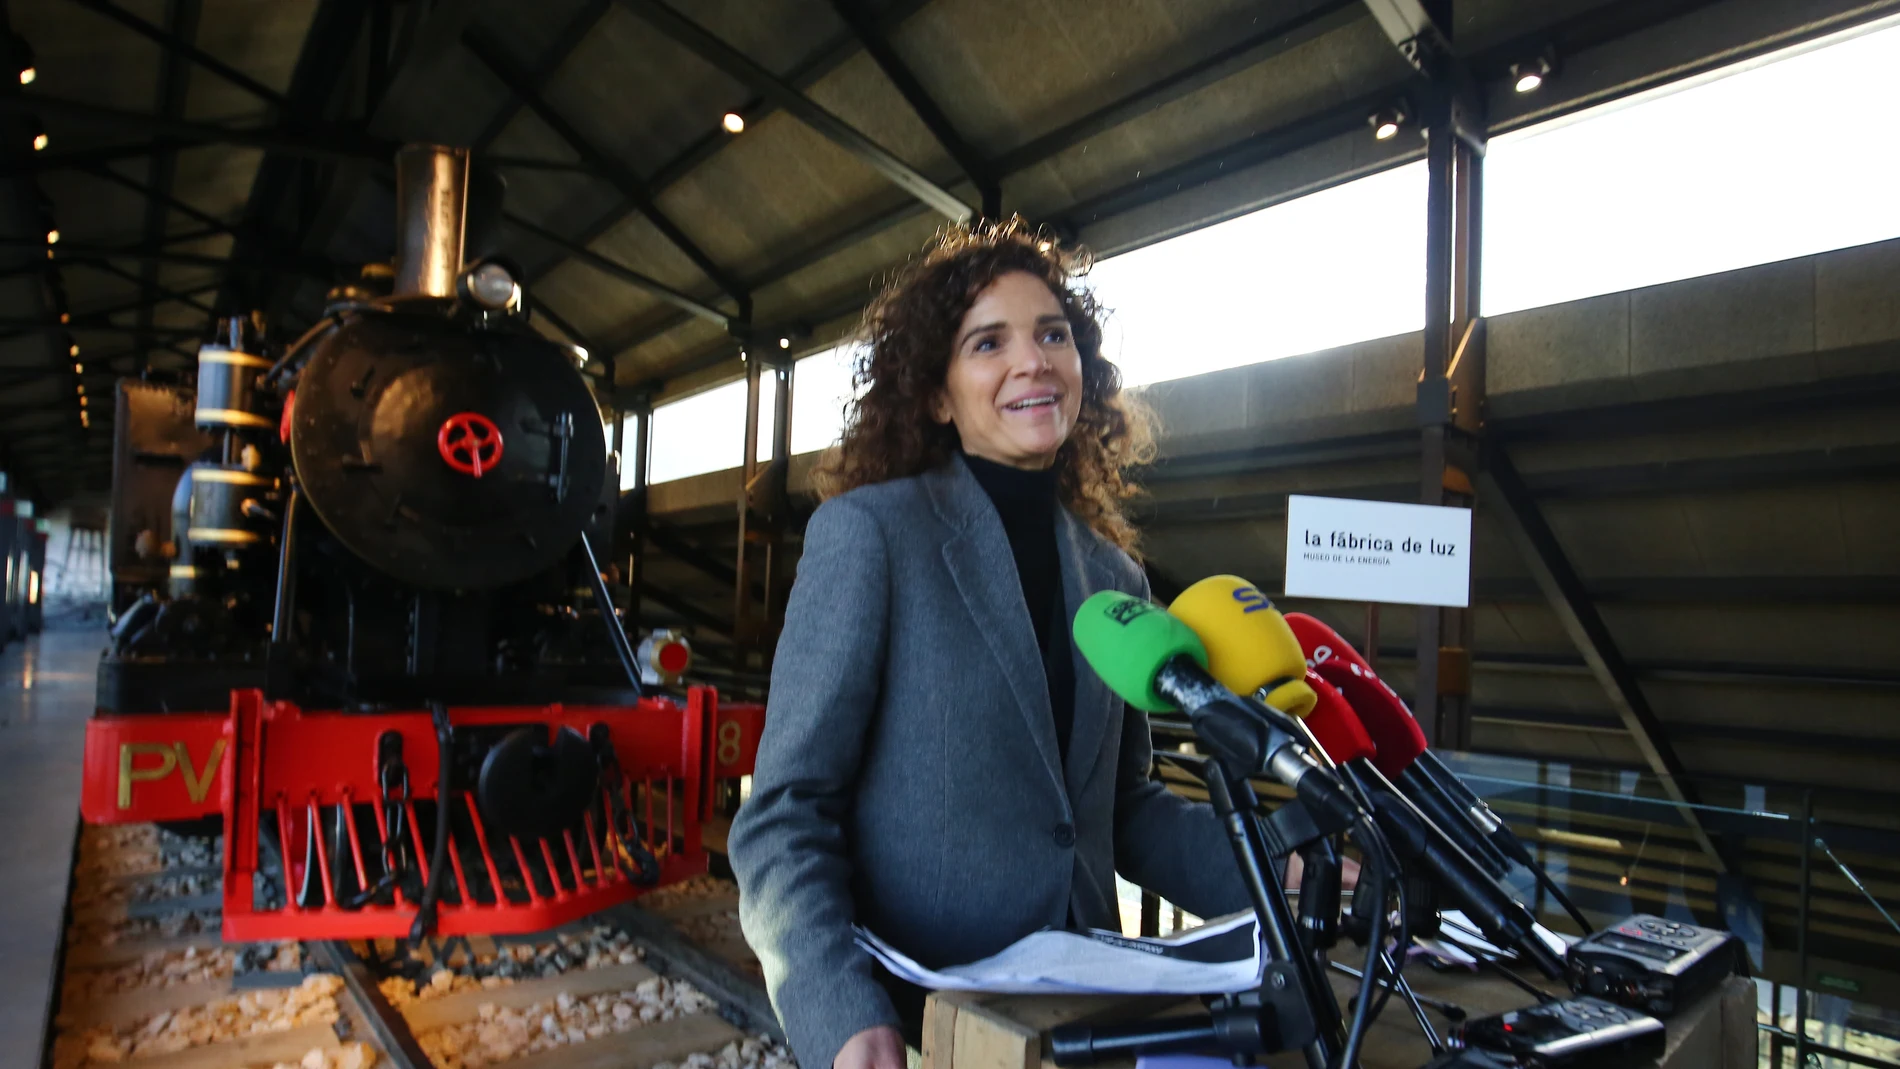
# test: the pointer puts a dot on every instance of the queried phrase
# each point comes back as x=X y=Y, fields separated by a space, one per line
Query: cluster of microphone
x=1285 y=697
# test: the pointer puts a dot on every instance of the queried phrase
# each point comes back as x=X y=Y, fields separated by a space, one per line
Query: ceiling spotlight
x=74 y=351
x=40 y=142
x=52 y=237
x=1528 y=75
x=79 y=369
x=82 y=400
x=84 y=420
x=27 y=74
x=785 y=343
x=65 y=317
x=733 y=122
x=1385 y=122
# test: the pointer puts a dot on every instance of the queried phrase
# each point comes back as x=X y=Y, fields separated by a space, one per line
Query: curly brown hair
x=906 y=343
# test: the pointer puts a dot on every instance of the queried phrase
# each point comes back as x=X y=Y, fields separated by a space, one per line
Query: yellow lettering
x=128 y=752
x=198 y=783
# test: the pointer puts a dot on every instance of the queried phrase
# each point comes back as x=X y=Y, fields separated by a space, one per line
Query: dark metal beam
x=980 y=172
x=621 y=271
x=1759 y=407
x=100 y=328
x=67 y=252
x=741 y=67
x=1415 y=32
x=856 y=229
x=576 y=31
x=148 y=192
x=1255 y=149
x=57 y=159
x=306 y=143
x=1778 y=738
x=1247 y=50
x=629 y=185
x=1709 y=590
x=1722 y=473
x=177 y=44
x=321 y=65
x=828 y=59
x=174 y=78
x=101 y=316
x=168 y=295
x=543 y=309
x=1543 y=555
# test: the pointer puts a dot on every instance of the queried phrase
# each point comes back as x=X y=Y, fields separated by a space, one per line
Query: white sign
x=1337 y=547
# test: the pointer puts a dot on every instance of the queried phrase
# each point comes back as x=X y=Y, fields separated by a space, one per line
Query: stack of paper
x=1221 y=956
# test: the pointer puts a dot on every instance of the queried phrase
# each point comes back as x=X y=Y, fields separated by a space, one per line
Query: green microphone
x=1157 y=664
x=1128 y=641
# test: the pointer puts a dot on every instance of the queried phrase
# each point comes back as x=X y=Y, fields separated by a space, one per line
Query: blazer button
x=1065 y=835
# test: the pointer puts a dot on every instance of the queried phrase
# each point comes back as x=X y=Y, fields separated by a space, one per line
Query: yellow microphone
x=1250 y=648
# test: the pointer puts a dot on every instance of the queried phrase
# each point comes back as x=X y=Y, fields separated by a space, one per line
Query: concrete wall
x=1834 y=315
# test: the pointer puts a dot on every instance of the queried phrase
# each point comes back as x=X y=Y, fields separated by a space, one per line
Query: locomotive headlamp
x=492 y=286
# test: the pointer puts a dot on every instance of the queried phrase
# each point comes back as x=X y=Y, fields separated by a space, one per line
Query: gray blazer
x=908 y=776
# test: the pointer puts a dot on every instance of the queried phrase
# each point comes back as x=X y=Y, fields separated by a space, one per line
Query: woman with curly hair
x=939 y=765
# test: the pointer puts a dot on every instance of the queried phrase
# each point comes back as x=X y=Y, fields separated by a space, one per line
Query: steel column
x=742 y=622
x=1450 y=400
x=1801 y=933
x=636 y=522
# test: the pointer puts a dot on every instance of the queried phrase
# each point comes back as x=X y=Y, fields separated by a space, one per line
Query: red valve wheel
x=470 y=443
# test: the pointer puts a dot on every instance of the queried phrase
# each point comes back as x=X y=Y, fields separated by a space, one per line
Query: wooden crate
x=966 y=1030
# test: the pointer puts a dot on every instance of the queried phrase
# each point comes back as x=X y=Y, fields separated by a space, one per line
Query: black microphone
x=1499 y=916
x=1423 y=843
x=1403 y=756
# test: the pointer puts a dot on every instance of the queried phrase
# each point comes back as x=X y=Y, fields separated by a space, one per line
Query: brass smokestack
x=431 y=206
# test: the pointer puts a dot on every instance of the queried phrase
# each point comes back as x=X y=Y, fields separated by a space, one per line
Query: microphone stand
x=1293 y=1007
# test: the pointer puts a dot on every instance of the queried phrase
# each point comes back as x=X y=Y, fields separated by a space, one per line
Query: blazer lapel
x=984 y=571
x=1084 y=573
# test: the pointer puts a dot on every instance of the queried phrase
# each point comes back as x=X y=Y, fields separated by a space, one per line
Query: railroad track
x=146 y=982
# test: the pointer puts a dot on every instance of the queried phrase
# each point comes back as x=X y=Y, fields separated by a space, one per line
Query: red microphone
x=1334 y=726
x=1404 y=757
x=1403 y=754
x=1387 y=721
x=1429 y=826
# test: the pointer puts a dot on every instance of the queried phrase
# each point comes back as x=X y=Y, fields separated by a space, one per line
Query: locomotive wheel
x=529 y=787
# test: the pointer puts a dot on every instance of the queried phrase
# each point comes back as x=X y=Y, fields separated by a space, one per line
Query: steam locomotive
x=361 y=620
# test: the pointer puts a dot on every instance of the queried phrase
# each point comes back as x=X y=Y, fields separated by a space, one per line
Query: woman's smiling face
x=1014 y=386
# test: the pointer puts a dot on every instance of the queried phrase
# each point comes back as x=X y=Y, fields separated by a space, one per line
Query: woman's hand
x=874 y=1048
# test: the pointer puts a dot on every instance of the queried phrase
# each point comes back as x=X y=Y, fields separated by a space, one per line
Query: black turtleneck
x=1026 y=502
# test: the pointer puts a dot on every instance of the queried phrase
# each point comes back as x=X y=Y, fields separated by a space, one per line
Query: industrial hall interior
x=961 y=534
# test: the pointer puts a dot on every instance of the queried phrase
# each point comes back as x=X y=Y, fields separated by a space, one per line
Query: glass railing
x=1718 y=853
x=1731 y=854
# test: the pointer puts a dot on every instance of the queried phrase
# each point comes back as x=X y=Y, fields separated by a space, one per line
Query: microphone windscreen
x=1387 y=721
x=1333 y=724
x=1249 y=646
x=1320 y=643
x=1127 y=640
